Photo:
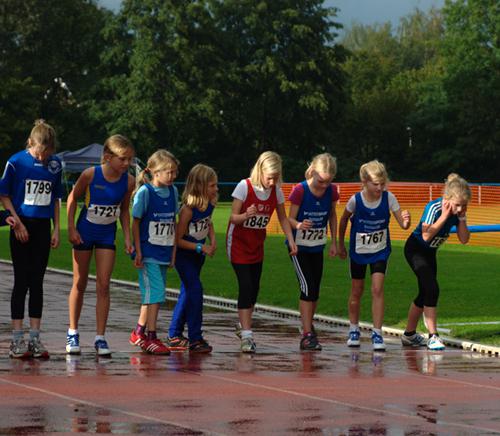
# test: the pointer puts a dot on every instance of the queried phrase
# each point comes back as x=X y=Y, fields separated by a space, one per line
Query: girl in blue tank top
x=107 y=189
x=195 y=225
x=312 y=211
x=154 y=211
x=369 y=244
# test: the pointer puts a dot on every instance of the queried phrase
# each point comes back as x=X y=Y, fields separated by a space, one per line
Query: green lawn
x=468 y=277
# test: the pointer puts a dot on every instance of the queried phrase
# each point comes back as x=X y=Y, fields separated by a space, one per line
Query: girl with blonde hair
x=195 y=240
x=369 y=244
x=312 y=210
x=254 y=201
x=154 y=211
x=106 y=189
x=421 y=247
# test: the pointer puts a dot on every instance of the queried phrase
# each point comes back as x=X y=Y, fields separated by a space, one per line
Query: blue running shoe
x=73 y=344
x=378 y=342
x=353 y=339
x=102 y=348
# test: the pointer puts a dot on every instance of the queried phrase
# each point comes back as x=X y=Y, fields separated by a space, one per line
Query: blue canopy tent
x=76 y=161
x=89 y=156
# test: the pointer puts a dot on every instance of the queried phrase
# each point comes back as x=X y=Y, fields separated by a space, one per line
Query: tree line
x=220 y=81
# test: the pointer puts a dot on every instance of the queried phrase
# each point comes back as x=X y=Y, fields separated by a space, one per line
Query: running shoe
x=177 y=343
x=200 y=346
x=156 y=347
x=415 y=340
x=102 y=348
x=37 y=349
x=237 y=330
x=353 y=339
x=309 y=342
x=435 y=343
x=248 y=345
x=378 y=342
x=137 y=340
x=73 y=343
x=19 y=349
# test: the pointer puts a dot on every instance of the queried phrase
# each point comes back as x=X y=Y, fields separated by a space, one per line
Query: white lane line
x=112 y=409
x=340 y=403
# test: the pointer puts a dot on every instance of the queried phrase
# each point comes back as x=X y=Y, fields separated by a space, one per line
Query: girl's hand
x=293 y=248
x=446 y=209
x=74 y=237
x=138 y=260
x=406 y=219
x=304 y=225
x=342 y=251
x=11 y=221
x=54 y=240
x=21 y=233
x=333 y=250
x=129 y=248
x=251 y=211
x=171 y=265
x=209 y=250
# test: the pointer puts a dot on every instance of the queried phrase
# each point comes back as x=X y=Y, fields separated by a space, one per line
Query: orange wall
x=484 y=207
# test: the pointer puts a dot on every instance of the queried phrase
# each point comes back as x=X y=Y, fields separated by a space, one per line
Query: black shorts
x=309 y=270
x=358 y=271
x=91 y=246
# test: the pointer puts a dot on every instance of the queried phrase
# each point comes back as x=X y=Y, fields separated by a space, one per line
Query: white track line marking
x=339 y=403
x=102 y=406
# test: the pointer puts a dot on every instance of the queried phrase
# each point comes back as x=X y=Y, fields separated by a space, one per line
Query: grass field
x=469 y=279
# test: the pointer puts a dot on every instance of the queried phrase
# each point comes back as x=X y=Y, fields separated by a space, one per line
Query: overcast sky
x=362 y=11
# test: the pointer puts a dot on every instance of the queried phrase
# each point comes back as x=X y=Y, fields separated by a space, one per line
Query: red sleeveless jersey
x=245 y=242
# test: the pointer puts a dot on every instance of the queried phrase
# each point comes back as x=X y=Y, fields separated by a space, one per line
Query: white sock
x=72 y=331
x=353 y=327
x=246 y=334
x=378 y=331
x=100 y=338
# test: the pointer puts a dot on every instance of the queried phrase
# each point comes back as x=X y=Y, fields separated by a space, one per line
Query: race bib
x=257 y=222
x=199 y=229
x=161 y=233
x=368 y=243
x=37 y=192
x=311 y=237
x=98 y=214
x=438 y=241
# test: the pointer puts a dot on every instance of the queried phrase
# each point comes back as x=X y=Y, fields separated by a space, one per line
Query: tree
x=50 y=62
x=471 y=55
x=222 y=81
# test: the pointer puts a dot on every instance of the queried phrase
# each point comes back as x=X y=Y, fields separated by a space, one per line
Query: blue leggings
x=189 y=307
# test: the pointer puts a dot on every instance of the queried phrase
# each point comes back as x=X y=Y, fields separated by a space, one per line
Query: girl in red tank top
x=254 y=201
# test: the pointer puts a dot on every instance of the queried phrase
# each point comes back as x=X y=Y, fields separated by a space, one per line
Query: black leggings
x=30 y=261
x=249 y=283
x=309 y=270
x=422 y=261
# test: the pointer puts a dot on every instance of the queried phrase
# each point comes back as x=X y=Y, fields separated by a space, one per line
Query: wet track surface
x=278 y=390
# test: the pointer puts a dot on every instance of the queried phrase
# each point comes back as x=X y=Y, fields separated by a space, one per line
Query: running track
x=277 y=391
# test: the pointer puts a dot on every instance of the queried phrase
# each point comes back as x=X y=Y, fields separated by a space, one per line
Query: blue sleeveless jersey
x=32 y=186
x=370 y=240
x=199 y=225
x=101 y=208
x=157 y=227
x=317 y=210
x=432 y=212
